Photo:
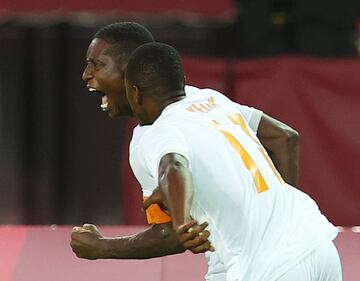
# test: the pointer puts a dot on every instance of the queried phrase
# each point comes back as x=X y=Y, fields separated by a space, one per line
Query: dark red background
x=203 y=8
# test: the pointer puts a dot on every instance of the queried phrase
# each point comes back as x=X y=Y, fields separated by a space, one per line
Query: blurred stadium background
x=64 y=162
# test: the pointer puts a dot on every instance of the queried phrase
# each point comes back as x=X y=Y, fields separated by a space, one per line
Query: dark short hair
x=156 y=65
x=124 y=37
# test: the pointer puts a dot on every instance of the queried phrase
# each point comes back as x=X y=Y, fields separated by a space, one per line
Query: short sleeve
x=159 y=141
x=251 y=115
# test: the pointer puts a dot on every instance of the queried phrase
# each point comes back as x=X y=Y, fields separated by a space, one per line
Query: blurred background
x=63 y=161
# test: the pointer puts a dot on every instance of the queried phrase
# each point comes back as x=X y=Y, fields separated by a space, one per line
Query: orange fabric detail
x=239 y=120
x=155 y=215
x=259 y=180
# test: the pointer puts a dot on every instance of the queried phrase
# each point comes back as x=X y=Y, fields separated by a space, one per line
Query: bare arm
x=176 y=185
x=156 y=241
x=282 y=144
x=160 y=239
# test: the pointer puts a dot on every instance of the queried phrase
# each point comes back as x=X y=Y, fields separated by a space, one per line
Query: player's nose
x=87 y=74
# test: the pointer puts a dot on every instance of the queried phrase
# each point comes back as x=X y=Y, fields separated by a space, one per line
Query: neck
x=159 y=106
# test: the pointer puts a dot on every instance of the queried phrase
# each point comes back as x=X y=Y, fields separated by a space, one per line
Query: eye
x=92 y=64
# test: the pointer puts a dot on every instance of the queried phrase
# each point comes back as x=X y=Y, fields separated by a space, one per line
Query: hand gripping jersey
x=260 y=226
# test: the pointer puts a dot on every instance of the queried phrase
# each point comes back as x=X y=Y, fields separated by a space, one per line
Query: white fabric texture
x=260 y=226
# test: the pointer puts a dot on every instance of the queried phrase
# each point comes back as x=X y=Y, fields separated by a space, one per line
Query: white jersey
x=259 y=225
x=216 y=270
x=251 y=115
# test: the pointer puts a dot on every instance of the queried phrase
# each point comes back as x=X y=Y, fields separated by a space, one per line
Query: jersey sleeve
x=156 y=143
x=160 y=141
x=251 y=115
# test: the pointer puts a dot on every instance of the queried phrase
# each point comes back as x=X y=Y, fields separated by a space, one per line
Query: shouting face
x=104 y=75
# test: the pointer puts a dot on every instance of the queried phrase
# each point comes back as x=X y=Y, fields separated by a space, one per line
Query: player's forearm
x=156 y=241
x=284 y=152
x=176 y=184
x=286 y=158
x=282 y=144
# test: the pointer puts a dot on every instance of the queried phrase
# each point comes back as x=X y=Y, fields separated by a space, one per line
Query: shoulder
x=137 y=134
x=159 y=133
x=191 y=90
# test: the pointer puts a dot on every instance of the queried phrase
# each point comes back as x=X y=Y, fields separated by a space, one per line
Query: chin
x=112 y=114
x=124 y=112
x=119 y=113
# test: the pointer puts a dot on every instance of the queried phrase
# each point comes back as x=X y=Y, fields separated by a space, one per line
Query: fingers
x=79 y=233
x=84 y=241
x=89 y=226
x=191 y=229
x=148 y=202
x=155 y=198
x=185 y=227
x=92 y=228
x=75 y=242
x=194 y=237
x=202 y=248
x=78 y=229
x=200 y=239
x=86 y=228
x=75 y=247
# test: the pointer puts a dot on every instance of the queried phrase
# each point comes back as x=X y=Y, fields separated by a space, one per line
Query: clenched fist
x=86 y=242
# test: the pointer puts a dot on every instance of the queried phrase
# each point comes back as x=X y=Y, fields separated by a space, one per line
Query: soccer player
x=210 y=166
x=107 y=58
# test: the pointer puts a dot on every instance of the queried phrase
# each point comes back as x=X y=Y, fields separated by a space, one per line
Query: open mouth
x=104 y=100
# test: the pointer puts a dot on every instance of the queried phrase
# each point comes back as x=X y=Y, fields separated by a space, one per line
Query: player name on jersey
x=203 y=107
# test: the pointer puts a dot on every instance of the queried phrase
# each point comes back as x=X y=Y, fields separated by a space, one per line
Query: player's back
x=256 y=220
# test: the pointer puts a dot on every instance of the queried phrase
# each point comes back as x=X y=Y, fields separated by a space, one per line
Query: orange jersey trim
x=155 y=215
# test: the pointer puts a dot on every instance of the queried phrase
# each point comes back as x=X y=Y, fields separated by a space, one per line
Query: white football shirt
x=251 y=115
x=259 y=225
